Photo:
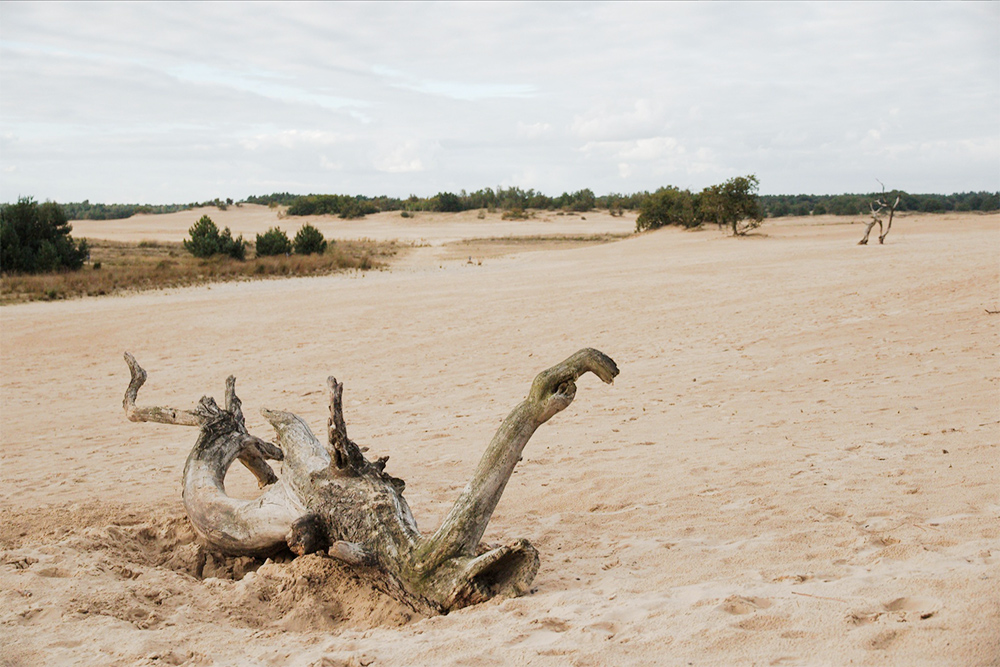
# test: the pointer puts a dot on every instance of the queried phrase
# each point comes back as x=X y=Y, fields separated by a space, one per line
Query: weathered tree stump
x=330 y=498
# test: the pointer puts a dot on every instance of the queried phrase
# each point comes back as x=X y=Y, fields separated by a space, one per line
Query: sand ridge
x=797 y=464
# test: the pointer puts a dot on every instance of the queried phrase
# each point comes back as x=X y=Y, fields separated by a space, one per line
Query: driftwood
x=878 y=206
x=330 y=498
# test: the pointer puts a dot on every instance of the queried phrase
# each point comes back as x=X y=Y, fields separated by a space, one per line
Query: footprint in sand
x=898 y=609
x=920 y=607
x=553 y=624
x=882 y=640
x=738 y=605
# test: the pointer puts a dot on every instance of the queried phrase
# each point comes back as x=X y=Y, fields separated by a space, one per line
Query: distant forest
x=514 y=198
x=777 y=206
x=86 y=211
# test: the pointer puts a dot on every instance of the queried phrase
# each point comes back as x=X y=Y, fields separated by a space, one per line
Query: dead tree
x=877 y=207
x=330 y=498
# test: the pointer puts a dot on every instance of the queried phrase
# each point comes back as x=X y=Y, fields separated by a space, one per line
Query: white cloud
x=533 y=130
x=402 y=158
x=260 y=82
x=642 y=118
x=457 y=90
x=109 y=100
x=291 y=139
x=330 y=165
x=650 y=149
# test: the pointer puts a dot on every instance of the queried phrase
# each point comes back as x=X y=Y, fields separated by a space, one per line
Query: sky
x=180 y=102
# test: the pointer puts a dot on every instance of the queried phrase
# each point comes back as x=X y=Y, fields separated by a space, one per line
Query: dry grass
x=498 y=246
x=148 y=265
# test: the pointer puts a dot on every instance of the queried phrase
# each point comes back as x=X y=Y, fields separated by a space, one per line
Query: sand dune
x=798 y=464
x=423 y=228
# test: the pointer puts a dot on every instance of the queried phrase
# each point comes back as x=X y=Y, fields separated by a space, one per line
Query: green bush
x=668 y=206
x=515 y=214
x=206 y=241
x=582 y=201
x=356 y=208
x=446 y=202
x=273 y=242
x=34 y=238
x=309 y=240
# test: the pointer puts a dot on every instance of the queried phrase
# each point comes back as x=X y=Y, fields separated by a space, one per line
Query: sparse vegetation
x=135 y=267
x=498 y=246
x=515 y=214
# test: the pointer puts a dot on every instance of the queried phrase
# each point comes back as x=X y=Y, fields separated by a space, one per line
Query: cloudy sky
x=178 y=102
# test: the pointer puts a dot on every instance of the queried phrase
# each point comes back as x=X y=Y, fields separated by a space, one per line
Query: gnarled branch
x=330 y=498
x=877 y=217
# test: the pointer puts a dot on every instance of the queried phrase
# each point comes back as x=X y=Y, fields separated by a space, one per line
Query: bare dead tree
x=330 y=498
x=878 y=206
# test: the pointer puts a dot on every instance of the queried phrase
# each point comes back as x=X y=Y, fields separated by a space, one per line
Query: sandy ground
x=798 y=464
x=432 y=229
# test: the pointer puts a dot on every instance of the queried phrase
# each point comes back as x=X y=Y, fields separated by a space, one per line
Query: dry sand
x=796 y=466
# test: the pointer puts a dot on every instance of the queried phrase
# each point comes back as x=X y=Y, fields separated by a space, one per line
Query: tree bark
x=331 y=498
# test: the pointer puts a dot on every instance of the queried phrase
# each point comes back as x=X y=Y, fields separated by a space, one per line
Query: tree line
x=507 y=199
x=515 y=198
x=86 y=211
x=777 y=206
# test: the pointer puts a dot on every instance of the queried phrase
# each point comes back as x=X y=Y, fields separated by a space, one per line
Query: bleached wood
x=330 y=498
x=877 y=206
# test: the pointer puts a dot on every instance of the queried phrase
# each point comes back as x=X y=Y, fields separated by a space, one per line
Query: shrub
x=309 y=240
x=205 y=241
x=273 y=242
x=405 y=214
x=204 y=238
x=235 y=248
x=35 y=238
x=515 y=214
x=356 y=208
x=668 y=206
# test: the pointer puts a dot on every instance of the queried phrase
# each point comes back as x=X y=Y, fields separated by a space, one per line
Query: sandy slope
x=424 y=228
x=797 y=465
